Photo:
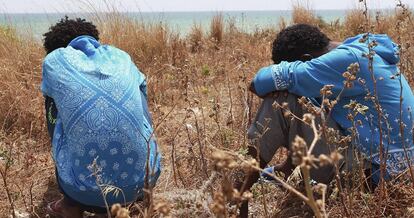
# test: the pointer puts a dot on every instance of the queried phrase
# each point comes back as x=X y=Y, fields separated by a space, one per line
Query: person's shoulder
x=51 y=60
x=115 y=51
x=353 y=47
x=52 y=55
x=354 y=39
x=362 y=41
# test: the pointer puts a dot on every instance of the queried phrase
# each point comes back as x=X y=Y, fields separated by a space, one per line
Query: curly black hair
x=63 y=32
x=294 y=41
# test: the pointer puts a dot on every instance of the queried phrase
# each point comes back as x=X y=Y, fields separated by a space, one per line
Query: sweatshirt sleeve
x=308 y=78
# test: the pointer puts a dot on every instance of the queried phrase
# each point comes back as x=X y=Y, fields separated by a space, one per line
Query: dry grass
x=304 y=14
x=354 y=22
x=195 y=37
x=204 y=83
x=20 y=60
x=217 y=28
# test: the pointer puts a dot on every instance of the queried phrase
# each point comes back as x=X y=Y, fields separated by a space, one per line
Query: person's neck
x=332 y=45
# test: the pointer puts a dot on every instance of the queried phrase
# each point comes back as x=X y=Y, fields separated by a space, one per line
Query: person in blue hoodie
x=98 y=121
x=305 y=60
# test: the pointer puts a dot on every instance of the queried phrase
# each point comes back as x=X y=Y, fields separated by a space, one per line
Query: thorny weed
x=105 y=188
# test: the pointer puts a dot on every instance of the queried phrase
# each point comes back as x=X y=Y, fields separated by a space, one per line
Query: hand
x=275 y=94
x=252 y=89
x=266 y=172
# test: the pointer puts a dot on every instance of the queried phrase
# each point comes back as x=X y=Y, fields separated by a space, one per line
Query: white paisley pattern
x=280 y=82
x=100 y=117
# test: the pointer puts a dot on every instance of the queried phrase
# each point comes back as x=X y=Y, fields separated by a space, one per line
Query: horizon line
x=188 y=11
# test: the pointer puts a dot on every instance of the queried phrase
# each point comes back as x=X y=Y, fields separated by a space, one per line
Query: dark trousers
x=271 y=130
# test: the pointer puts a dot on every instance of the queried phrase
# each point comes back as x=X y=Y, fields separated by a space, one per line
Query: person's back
x=103 y=130
x=387 y=91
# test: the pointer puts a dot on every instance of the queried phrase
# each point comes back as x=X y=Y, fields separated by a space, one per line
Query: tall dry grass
x=20 y=60
x=354 y=22
x=201 y=80
x=22 y=129
x=217 y=28
x=304 y=14
x=195 y=37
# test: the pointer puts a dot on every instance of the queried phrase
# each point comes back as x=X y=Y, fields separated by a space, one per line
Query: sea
x=182 y=22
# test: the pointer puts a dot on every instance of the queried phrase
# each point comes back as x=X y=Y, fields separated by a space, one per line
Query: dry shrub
x=398 y=202
x=282 y=24
x=231 y=27
x=178 y=49
x=22 y=126
x=384 y=23
x=195 y=37
x=8 y=38
x=354 y=22
x=217 y=28
x=145 y=42
x=301 y=14
x=19 y=87
x=334 y=30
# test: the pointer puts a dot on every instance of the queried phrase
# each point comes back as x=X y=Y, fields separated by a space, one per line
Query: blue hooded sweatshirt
x=307 y=78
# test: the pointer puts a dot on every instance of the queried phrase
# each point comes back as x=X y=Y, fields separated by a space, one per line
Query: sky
x=52 y=6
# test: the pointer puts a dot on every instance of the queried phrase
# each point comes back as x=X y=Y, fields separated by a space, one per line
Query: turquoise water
x=37 y=24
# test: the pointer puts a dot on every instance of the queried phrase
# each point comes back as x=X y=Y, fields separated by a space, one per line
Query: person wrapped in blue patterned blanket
x=98 y=120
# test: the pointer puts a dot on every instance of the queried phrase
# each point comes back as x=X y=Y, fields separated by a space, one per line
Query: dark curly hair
x=294 y=41
x=63 y=32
